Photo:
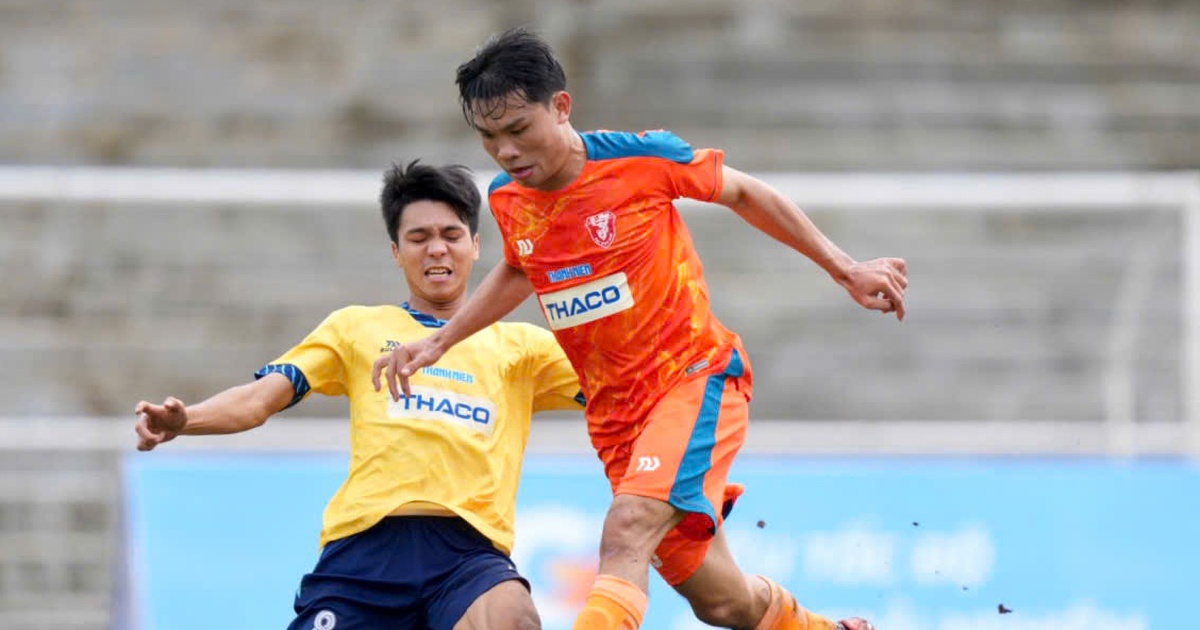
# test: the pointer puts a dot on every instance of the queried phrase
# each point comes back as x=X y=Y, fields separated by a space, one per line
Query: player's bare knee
x=506 y=606
x=528 y=620
x=726 y=605
x=519 y=618
x=728 y=612
x=640 y=514
x=635 y=525
x=525 y=618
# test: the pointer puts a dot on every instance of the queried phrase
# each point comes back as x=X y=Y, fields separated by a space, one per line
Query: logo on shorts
x=325 y=620
x=696 y=367
x=648 y=464
x=524 y=247
x=602 y=228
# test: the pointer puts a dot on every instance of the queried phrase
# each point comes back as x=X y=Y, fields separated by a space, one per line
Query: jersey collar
x=428 y=321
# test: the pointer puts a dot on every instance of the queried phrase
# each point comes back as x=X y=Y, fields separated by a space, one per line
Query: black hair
x=515 y=62
x=451 y=184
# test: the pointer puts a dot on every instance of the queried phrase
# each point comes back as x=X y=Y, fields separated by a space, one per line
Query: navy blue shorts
x=419 y=572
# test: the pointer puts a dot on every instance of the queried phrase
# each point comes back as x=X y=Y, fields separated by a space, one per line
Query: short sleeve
x=315 y=364
x=701 y=178
x=678 y=169
x=555 y=383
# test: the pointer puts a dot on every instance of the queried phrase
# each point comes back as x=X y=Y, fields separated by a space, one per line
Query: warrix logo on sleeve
x=429 y=403
x=587 y=302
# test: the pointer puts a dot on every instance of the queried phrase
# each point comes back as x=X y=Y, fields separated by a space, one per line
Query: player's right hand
x=855 y=623
x=879 y=285
x=402 y=362
x=159 y=423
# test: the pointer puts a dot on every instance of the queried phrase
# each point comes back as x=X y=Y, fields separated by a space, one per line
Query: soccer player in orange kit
x=589 y=224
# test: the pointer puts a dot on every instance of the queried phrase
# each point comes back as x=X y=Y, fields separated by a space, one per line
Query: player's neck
x=440 y=310
x=572 y=166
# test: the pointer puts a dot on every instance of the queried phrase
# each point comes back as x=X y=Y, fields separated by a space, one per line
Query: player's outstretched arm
x=503 y=290
x=877 y=284
x=234 y=410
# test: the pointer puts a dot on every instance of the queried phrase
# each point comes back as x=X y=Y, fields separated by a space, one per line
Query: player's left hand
x=878 y=284
x=855 y=623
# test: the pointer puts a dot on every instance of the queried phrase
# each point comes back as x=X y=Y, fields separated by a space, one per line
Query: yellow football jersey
x=457 y=443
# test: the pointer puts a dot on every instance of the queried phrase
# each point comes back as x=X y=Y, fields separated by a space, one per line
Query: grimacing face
x=530 y=141
x=436 y=251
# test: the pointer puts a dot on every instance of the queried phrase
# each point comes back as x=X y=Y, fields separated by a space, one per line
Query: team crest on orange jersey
x=603 y=228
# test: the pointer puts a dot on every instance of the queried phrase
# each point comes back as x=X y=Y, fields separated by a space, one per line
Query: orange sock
x=613 y=604
x=783 y=613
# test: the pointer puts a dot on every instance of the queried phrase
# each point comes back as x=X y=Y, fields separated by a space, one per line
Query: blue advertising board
x=911 y=543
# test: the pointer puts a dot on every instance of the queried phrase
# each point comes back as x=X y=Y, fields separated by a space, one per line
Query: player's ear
x=396 y=254
x=475 y=243
x=560 y=106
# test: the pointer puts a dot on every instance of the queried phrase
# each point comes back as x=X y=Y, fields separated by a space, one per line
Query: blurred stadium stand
x=1016 y=315
x=58 y=537
x=823 y=84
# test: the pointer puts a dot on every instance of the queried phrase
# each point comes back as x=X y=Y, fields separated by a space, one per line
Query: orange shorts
x=682 y=456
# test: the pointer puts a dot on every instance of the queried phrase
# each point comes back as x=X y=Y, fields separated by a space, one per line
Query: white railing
x=965 y=191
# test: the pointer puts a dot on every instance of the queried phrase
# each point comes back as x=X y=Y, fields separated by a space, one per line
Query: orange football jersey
x=617 y=273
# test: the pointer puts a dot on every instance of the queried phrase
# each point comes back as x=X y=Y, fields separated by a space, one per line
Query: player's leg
x=632 y=529
x=721 y=595
x=716 y=590
x=330 y=613
x=506 y=606
x=348 y=590
x=470 y=584
x=784 y=613
x=694 y=558
x=704 y=571
x=707 y=575
x=661 y=483
x=618 y=600
x=702 y=568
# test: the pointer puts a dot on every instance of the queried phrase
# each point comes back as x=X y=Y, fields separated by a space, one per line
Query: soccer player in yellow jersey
x=419 y=535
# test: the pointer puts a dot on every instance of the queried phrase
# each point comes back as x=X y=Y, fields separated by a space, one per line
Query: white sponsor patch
x=587 y=302
x=428 y=403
